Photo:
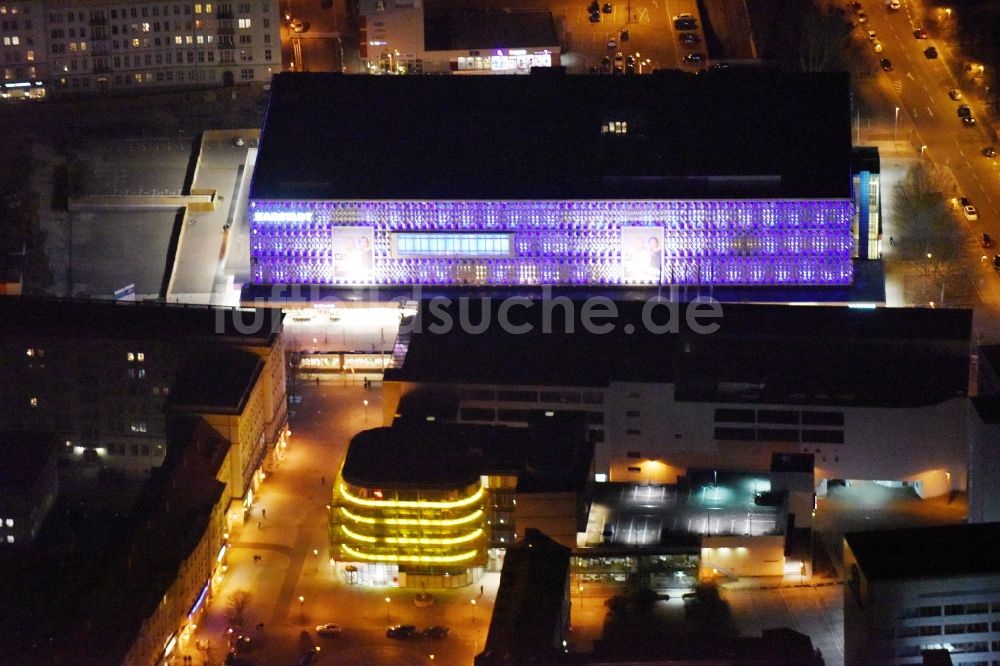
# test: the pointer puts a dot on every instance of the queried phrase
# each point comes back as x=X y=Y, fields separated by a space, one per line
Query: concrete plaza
x=288 y=530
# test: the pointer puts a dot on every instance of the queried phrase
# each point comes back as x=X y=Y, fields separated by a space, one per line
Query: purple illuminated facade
x=523 y=243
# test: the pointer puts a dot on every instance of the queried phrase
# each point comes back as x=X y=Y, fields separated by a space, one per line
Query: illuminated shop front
x=504 y=61
x=408 y=536
x=648 y=242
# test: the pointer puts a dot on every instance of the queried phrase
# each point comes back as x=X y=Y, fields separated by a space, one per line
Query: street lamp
x=387 y=617
x=473 y=602
x=302 y=609
x=316 y=556
x=895 y=127
x=366 y=410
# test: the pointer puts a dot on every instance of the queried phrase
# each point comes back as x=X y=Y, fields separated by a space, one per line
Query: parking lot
x=646 y=514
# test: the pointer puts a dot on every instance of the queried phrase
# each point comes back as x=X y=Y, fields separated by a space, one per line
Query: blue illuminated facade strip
x=723 y=242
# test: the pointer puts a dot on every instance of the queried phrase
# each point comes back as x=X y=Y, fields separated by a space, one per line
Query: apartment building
x=97 y=375
x=80 y=46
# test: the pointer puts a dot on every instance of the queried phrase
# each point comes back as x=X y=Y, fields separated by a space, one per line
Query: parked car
x=964 y=111
x=685 y=22
x=623 y=35
x=436 y=632
x=970 y=213
x=886 y=64
x=969 y=121
x=893 y=5
x=986 y=241
x=877 y=45
x=689 y=39
x=930 y=53
x=694 y=58
x=595 y=17
x=862 y=18
x=612 y=44
x=989 y=151
x=955 y=94
x=996 y=262
x=607 y=8
x=401 y=631
x=328 y=629
x=920 y=33
x=606 y=64
x=872 y=36
x=296 y=25
x=630 y=64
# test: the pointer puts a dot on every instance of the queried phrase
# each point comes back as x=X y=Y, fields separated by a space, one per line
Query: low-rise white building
x=915 y=589
x=873 y=394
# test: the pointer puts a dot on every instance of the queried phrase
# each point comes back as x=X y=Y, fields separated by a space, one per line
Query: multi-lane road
x=912 y=105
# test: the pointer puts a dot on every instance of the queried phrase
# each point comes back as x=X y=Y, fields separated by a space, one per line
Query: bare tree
x=822 y=40
x=930 y=237
x=236 y=608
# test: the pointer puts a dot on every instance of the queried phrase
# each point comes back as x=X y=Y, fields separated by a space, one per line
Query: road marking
x=930 y=112
x=974 y=174
x=910 y=75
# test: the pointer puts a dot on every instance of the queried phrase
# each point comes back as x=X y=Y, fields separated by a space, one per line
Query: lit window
x=31 y=56
x=34 y=402
x=142 y=373
x=15 y=40
x=31 y=352
x=177 y=39
x=9 y=522
x=208 y=8
x=188 y=39
x=135 y=42
x=244 y=23
x=140 y=357
x=10 y=538
x=197 y=9
x=130 y=356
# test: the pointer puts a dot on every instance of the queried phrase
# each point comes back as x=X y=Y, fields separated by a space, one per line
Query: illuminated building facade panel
x=416 y=529
x=724 y=242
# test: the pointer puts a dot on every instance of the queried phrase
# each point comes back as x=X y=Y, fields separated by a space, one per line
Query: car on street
x=694 y=58
x=872 y=36
x=955 y=94
x=328 y=629
x=969 y=121
x=996 y=262
x=856 y=6
x=296 y=25
x=862 y=18
x=630 y=64
x=685 y=22
x=970 y=213
x=986 y=241
x=607 y=8
x=619 y=63
x=594 y=6
x=964 y=111
x=606 y=64
x=930 y=53
x=595 y=17
x=877 y=45
x=401 y=631
x=623 y=35
x=989 y=151
x=612 y=44
x=436 y=632
x=919 y=33
x=886 y=64
x=689 y=39
x=893 y=5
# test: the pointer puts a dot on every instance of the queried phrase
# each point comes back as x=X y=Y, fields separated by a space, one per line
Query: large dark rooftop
x=216 y=379
x=761 y=353
x=135 y=320
x=431 y=454
x=927 y=552
x=333 y=136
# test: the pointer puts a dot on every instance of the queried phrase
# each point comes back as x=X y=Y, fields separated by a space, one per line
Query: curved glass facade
x=722 y=242
x=420 y=530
